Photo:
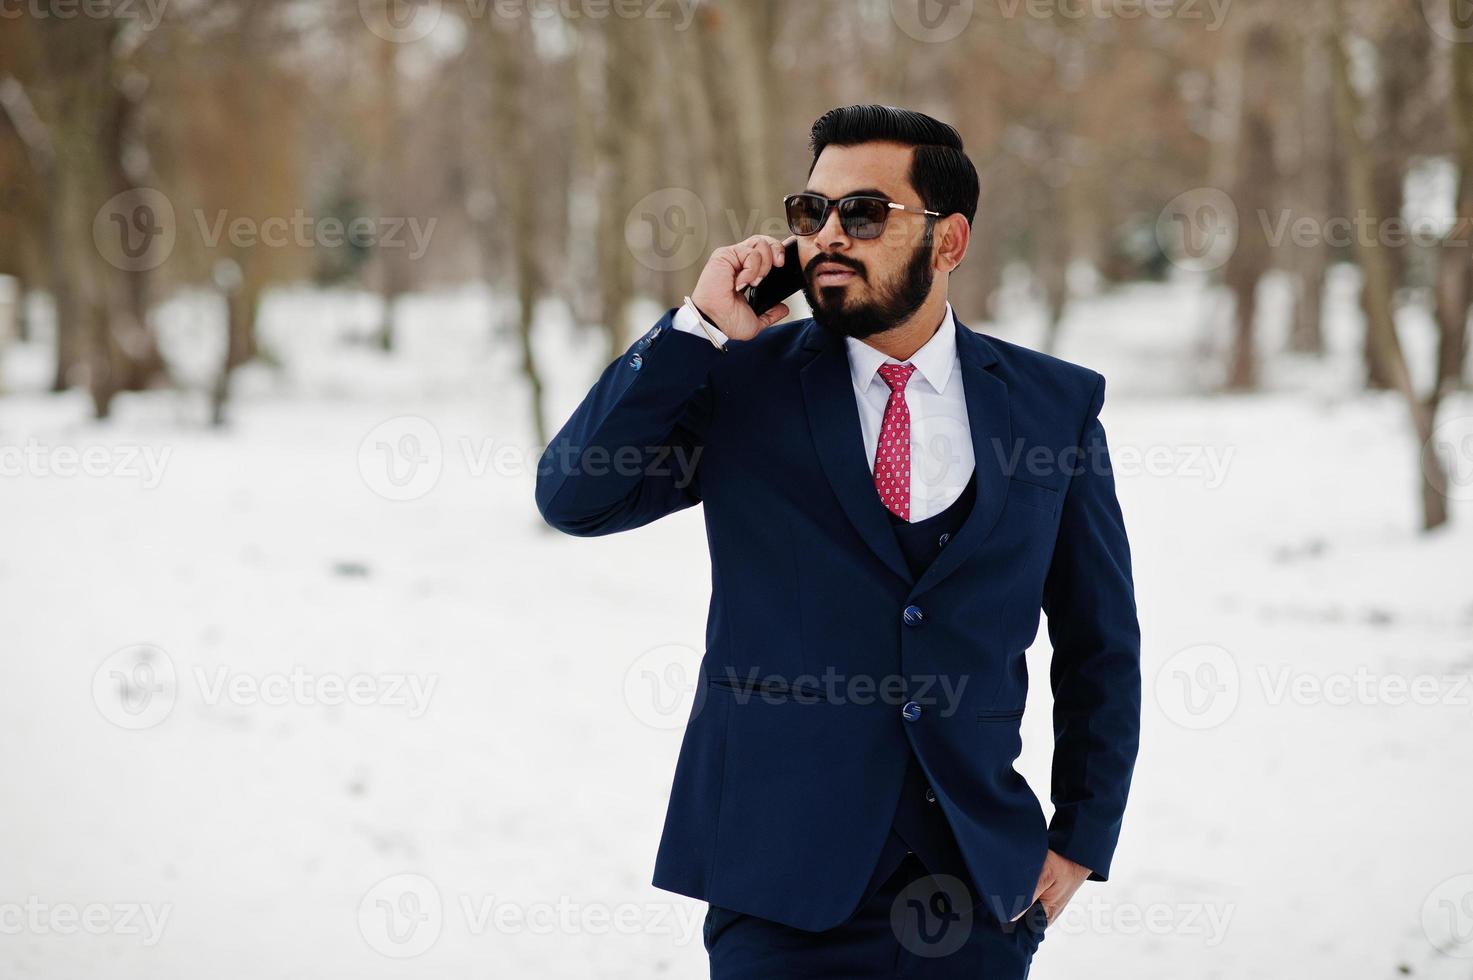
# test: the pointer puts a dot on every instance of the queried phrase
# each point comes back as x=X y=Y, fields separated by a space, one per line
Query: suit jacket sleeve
x=630 y=453
x=1089 y=599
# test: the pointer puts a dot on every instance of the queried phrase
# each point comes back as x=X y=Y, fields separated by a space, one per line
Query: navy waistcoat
x=919 y=824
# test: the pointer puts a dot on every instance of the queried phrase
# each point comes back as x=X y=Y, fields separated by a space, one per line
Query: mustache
x=834 y=259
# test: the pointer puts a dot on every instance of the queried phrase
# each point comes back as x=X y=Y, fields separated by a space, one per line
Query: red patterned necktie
x=892 y=452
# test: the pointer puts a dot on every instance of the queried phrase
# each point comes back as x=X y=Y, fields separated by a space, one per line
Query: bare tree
x=1255 y=179
x=1377 y=273
x=1313 y=140
x=1454 y=284
x=88 y=100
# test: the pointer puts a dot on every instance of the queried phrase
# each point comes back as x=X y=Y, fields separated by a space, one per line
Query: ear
x=951 y=235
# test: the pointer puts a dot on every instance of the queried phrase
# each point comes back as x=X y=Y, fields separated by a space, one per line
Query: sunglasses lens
x=805 y=213
x=863 y=217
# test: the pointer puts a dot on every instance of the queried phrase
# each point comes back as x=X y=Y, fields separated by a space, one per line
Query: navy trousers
x=914 y=925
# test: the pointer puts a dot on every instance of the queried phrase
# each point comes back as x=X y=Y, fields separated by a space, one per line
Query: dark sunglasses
x=860 y=215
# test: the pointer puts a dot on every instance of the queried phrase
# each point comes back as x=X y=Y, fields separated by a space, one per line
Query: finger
x=768 y=248
x=739 y=254
x=754 y=267
x=1046 y=898
x=772 y=316
x=1055 y=898
x=763 y=253
x=729 y=257
x=760 y=241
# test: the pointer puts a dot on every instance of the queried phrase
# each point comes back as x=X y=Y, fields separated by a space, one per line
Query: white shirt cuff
x=691 y=321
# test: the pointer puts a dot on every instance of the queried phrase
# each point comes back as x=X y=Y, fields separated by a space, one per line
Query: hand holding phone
x=735 y=272
x=783 y=281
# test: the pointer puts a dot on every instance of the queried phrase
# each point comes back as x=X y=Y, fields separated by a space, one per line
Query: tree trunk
x=1454 y=287
x=242 y=304
x=1316 y=159
x=1401 y=72
x=1376 y=270
x=624 y=56
x=393 y=276
x=513 y=119
x=1254 y=179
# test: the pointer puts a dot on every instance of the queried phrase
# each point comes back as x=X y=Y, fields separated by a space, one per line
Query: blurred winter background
x=296 y=683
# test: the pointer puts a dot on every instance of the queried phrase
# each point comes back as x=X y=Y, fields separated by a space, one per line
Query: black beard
x=894 y=306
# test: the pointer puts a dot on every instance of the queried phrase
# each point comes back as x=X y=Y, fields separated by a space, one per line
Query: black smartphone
x=782 y=281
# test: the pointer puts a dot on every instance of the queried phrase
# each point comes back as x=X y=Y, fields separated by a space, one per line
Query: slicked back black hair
x=940 y=171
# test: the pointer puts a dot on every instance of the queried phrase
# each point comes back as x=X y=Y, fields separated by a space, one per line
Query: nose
x=831 y=237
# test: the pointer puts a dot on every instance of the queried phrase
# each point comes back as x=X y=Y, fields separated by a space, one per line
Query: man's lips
x=832 y=274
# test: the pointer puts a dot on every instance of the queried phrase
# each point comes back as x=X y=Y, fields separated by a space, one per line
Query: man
x=890 y=499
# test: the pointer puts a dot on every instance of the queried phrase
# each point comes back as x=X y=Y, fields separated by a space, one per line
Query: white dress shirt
x=941 y=456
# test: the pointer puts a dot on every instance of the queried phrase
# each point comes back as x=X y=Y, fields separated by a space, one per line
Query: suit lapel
x=833 y=418
x=989 y=418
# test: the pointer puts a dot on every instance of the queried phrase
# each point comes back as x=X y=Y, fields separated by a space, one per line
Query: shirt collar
x=934 y=361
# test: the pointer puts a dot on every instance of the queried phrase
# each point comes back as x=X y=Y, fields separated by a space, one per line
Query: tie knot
x=897 y=375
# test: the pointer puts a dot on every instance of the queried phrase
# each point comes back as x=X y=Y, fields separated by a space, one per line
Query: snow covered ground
x=319 y=696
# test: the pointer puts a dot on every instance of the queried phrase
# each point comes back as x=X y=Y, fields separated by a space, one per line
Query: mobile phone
x=781 y=282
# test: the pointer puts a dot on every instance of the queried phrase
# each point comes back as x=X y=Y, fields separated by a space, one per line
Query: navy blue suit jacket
x=821 y=646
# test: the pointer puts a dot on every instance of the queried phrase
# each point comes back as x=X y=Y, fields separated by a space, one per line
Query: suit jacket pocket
x=718 y=919
x=1005 y=714
x=1033 y=494
x=767 y=689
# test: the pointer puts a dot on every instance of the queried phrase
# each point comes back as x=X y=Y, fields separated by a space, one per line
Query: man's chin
x=846 y=320
x=831 y=298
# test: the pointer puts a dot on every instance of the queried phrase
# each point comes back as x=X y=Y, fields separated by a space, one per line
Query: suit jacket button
x=944 y=538
x=912 y=616
x=911 y=711
x=637 y=361
x=930 y=795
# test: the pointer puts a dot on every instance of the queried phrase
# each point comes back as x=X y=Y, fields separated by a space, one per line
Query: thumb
x=1044 y=881
x=772 y=316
